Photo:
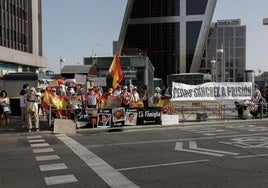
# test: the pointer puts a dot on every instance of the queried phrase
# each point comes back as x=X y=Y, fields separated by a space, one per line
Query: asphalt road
x=229 y=155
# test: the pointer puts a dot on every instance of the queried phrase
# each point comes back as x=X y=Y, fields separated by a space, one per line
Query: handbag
x=7 y=109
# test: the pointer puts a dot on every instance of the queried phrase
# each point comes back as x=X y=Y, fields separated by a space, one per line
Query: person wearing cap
x=157 y=96
x=126 y=97
x=135 y=94
x=118 y=91
x=32 y=109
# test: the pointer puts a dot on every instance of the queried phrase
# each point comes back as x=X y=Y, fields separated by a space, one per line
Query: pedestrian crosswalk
x=44 y=153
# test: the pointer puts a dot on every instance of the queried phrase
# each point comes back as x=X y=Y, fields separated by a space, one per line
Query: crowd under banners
x=212 y=91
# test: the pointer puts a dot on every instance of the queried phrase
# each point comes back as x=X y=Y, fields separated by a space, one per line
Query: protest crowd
x=90 y=105
x=124 y=105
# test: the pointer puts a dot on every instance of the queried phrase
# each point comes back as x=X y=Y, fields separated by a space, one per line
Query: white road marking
x=211 y=134
x=251 y=156
x=210 y=131
x=110 y=175
x=39 y=145
x=47 y=157
x=34 y=137
x=36 y=141
x=193 y=145
x=43 y=150
x=54 y=180
x=179 y=146
x=50 y=167
x=177 y=140
x=164 y=164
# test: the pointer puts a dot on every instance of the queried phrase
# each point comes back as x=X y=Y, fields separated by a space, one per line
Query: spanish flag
x=116 y=71
x=58 y=102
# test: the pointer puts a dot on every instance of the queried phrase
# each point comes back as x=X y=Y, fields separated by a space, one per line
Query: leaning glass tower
x=171 y=33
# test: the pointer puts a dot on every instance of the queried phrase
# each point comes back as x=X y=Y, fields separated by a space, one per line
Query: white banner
x=212 y=91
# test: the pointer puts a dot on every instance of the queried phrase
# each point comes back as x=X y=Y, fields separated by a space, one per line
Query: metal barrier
x=197 y=110
x=186 y=111
x=213 y=110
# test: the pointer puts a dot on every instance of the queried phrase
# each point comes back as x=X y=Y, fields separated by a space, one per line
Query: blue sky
x=80 y=28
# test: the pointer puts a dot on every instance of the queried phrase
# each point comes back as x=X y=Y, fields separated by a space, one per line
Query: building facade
x=224 y=54
x=137 y=70
x=171 y=33
x=21 y=36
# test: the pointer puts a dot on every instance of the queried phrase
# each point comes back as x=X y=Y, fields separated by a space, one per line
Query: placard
x=113 y=102
x=131 y=116
x=100 y=81
x=104 y=117
x=169 y=119
x=80 y=78
x=118 y=117
x=53 y=83
x=149 y=116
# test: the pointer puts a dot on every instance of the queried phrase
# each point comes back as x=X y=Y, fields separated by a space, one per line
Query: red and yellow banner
x=116 y=71
x=55 y=101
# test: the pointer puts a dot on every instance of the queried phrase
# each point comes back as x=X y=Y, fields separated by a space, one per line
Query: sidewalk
x=15 y=126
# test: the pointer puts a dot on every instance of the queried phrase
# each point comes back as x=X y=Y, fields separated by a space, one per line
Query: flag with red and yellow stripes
x=116 y=71
x=53 y=100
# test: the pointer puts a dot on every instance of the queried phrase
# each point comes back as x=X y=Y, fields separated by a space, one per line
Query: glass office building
x=171 y=33
x=21 y=36
x=224 y=54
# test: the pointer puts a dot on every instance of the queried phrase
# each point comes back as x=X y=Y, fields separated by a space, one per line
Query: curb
x=152 y=127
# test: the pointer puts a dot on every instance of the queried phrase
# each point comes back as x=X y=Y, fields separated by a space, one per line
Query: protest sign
x=212 y=91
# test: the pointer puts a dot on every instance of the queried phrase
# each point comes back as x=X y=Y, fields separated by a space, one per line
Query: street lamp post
x=62 y=60
x=213 y=64
x=222 y=72
x=92 y=50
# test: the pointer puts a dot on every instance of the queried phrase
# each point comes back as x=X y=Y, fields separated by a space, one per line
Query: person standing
x=117 y=91
x=5 y=108
x=23 y=105
x=145 y=96
x=91 y=99
x=40 y=101
x=32 y=109
x=157 y=96
x=126 y=97
x=136 y=95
